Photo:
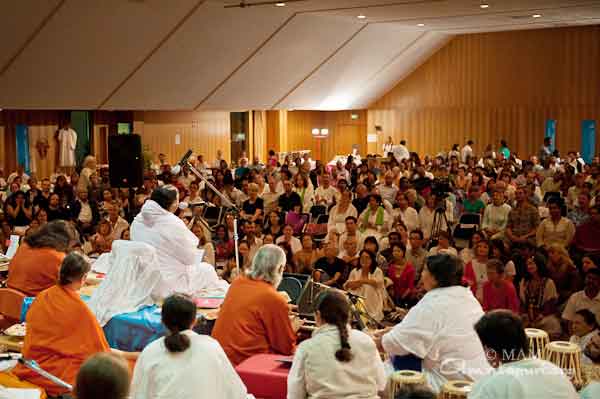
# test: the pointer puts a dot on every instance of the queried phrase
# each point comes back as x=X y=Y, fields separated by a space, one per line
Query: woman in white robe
x=339 y=213
x=184 y=364
x=367 y=281
x=176 y=246
x=305 y=191
x=439 y=329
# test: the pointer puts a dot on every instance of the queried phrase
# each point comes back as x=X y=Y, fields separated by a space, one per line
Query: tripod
x=440 y=223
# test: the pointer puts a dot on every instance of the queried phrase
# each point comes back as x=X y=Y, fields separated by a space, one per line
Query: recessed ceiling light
x=536 y=15
x=361 y=16
x=279 y=4
x=484 y=5
x=420 y=24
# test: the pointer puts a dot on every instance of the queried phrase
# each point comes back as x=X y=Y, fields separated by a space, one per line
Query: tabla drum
x=456 y=389
x=538 y=340
x=402 y=378
x=567 y=356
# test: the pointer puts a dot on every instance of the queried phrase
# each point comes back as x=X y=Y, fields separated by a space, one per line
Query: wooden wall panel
x=343 y=132
x=42 y=126
x=203 y=132
x=496 y=85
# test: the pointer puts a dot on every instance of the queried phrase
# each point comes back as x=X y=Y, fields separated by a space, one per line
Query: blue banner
x=551 y=132
x=22 y=147
x=588 y=140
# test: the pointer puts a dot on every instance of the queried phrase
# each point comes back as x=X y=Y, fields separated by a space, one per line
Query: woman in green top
x=504 y=149
x=473 y=203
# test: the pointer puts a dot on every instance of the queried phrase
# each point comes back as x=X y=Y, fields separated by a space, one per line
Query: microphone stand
x=226 y=201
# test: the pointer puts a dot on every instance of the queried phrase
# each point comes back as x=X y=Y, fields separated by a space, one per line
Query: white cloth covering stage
x=177 y=252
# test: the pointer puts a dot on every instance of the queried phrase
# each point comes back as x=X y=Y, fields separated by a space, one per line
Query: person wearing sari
x=538 y=297
x=375 y=220
x=176 y=246
x=367 y=280
x=62 y=332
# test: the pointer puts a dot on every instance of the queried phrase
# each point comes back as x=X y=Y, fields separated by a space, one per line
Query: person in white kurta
x=339 y=213
x=367 y=281
x=202 y=370
x=318 y=373
x=439 y=329
x=517 y=376
x=67 y=139
x=176 y=248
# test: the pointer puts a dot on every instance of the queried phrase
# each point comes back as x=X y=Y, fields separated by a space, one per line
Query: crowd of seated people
x=368 y=226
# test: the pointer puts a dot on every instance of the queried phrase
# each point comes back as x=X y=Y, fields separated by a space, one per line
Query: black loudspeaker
x=125 y=162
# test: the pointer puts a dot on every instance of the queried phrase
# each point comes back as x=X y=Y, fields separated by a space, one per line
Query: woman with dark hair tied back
x=439 y=329
x=337 y=361
x=62 y=331
x=184 y=364
x=35 y=266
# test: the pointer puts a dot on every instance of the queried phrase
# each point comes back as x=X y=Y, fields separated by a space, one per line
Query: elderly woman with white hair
x=254 y=317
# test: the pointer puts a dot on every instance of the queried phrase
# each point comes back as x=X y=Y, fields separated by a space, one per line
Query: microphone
x=185 y=158
x=177 y=168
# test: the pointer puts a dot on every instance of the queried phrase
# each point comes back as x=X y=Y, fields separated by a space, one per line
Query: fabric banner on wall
x=588 y=140
x=23 y=147
x=80 y=122
x=551 y=132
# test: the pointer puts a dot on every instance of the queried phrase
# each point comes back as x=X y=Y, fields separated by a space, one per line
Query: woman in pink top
x=402 y=274
x=498 y=293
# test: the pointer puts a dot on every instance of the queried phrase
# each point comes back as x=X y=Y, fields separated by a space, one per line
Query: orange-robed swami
x=61 y=334
x=33 y=270
x=253 y=319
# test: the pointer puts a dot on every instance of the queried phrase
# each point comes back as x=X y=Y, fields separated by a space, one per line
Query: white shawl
x=177 y=250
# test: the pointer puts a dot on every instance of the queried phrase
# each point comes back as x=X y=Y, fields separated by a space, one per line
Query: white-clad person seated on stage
x=439 y=329
x=517 y=375
x=337 y=361
x=176 y=246
x=184 y=364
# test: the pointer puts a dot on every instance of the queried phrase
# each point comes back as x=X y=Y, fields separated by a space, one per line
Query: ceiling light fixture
x=536 y=16
x=420 y=24
x=361 y=16
x=484 y=5
x=280 y=4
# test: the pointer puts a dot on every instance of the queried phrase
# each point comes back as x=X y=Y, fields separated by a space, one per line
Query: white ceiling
x=195 y=54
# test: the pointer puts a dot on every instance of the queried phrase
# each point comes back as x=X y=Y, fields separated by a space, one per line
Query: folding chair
x=212 y=215
x=467 y=226
x=316 y=211
x=292 y=286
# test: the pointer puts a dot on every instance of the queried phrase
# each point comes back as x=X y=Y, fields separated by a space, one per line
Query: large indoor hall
x=301 y=199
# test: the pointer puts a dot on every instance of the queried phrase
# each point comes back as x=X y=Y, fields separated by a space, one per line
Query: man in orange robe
x=62 y=332
x=254 y=318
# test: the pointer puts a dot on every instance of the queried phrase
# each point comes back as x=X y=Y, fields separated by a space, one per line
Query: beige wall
x=497 y=85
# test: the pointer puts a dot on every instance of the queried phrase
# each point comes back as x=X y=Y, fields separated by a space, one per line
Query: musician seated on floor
x=105 y=375
x=184 y=364
x=35 y=266
x=62 y=332
x=439 y=328
x=517 y=375
x=254 y=318
x=337 y=361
